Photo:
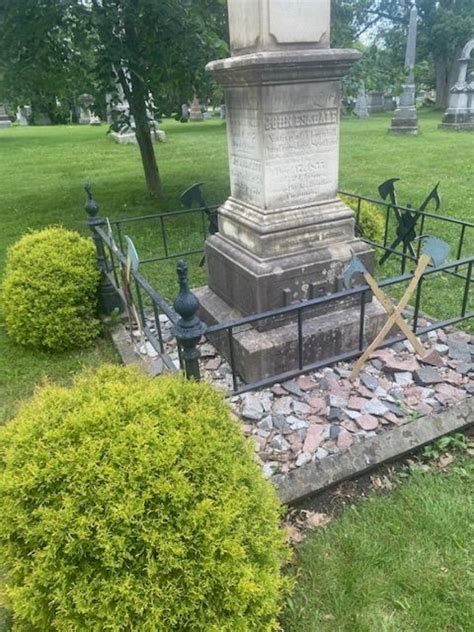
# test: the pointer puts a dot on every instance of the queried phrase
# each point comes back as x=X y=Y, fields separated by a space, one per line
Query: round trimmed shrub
x=136 y=504
x=371 y=222
x=49 y=292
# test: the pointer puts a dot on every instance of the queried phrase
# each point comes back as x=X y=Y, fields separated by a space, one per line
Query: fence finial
x=189 y=328
x=109 y=299
x=91 y=206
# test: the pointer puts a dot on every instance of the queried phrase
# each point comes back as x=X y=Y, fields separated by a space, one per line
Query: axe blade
x=193 y=194
x=433 y=196
x=387 y=188
x=437 y=249
x=355 y=266
x=132 y=254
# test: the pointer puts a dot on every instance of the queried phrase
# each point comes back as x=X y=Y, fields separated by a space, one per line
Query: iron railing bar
x=173 y=256
x=164 y=356
x=461 y=242
x=300 y=339
x=156 y=316
x=232 y=358
x=467 y=288
x=405 y=208
x=139 y=218
x=362 y=321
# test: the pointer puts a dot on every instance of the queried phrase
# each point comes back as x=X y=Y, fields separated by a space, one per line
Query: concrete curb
x=121 y=339
x=319 y=475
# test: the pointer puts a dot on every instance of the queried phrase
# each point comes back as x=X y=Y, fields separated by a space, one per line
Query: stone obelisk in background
x=405 y=120
x=284 y=236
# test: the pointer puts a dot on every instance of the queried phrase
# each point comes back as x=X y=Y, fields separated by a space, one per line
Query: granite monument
x=405 y=120
x=460 y=112
x=284 y=236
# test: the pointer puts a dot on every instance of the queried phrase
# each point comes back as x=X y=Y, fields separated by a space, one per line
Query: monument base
x=458 y=122
x=262 y=354
x=4 y=123
x=405 y=120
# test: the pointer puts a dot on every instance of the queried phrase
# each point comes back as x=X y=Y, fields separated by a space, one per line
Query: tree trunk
x=446 y=76
x=442 y=87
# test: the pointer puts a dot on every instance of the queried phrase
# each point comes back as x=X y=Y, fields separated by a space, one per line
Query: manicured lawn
x=398 y=563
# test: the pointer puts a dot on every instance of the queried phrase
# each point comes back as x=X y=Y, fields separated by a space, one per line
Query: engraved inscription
x=246 y=179
x=294 y=120
x=301 y=156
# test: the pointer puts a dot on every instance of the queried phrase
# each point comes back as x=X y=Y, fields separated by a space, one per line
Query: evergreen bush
x=49 y=292
x=136 y=504
x=371 y=222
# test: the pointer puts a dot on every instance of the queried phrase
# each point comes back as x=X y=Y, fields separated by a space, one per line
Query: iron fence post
x=109 y=299
x=189 y=329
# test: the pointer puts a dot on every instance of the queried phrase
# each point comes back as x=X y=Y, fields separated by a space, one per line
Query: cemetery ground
x=397 y=563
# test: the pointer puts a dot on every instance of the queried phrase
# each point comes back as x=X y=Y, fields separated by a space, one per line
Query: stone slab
x=261 y=354
x=360 y=458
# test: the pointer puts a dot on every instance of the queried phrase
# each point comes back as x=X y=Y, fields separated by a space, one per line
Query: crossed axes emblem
x=434 y=250
x=407 y=221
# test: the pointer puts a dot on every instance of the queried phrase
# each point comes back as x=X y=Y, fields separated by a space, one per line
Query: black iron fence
x=124 y=285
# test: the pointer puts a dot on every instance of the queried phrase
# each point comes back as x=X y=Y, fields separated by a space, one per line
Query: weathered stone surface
x=306 y=383
x=281 y=423
x=374 y=407
x=427 y=376
x=345 y=440
x=357 y=403
x=314 y=438
x=279 y=443
x=459 y=350
x=303 y=459
x=408 y=365
x=252 y=408
x=367 y=422
x=283 y=406
x=318 y=404
x=403 y=378
x=293 y=388
x=361 y=457
x=369 y=381
x=296 y=423
x=433 y=358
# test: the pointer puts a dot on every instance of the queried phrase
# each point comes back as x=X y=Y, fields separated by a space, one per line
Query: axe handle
x=399 y=240
x=390 y=309
x=421 y=267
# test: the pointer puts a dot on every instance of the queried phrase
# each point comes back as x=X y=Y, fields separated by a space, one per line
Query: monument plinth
x=460 y=113
x=4 y=119
x=284 y=236
x=405 y=119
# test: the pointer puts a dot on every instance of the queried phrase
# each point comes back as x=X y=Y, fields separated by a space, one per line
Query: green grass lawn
x=398 y=563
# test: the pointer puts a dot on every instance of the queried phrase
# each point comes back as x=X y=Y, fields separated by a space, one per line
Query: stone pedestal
x=375 y=102
x=460 y=113
x=4 y=119
x=284 y=236
x=196 y=112
x=405 y=119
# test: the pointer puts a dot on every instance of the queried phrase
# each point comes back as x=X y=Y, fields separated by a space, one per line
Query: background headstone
x=460 y=112
x=405 y=120
x=4 y=118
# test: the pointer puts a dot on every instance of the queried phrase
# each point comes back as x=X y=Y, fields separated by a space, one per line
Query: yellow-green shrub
x=135 y=504
x=49 y=292
x=371 y=222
